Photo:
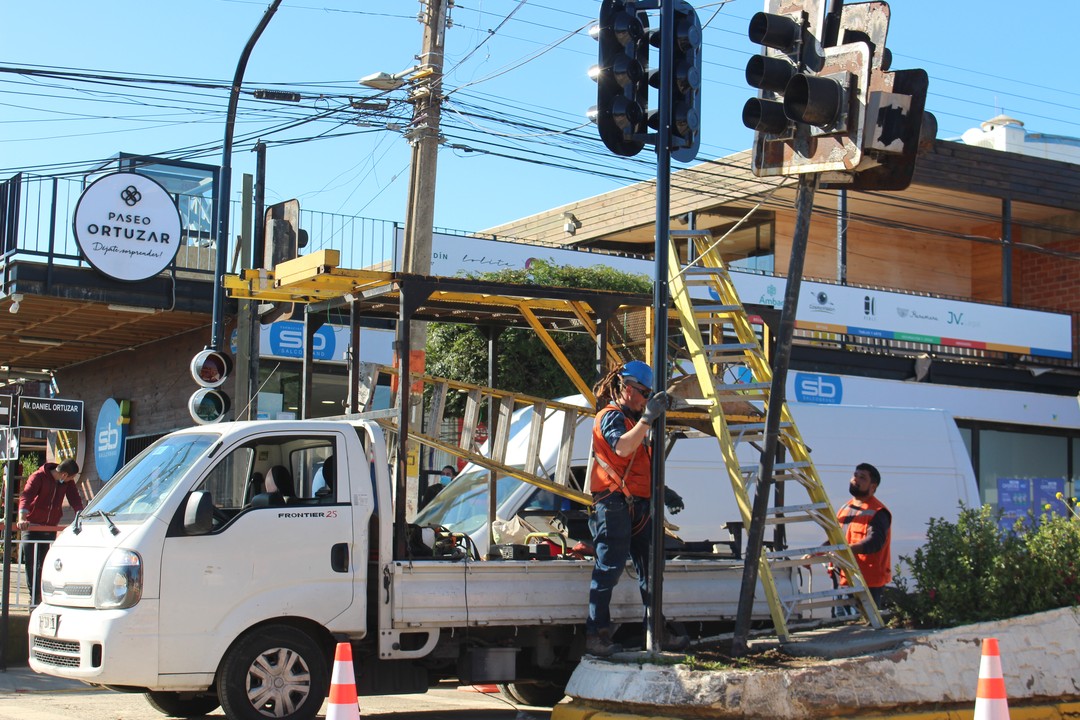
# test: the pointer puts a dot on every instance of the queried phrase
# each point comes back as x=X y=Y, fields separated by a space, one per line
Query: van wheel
x=539 y=694
x=182 y=705
x=276 y=672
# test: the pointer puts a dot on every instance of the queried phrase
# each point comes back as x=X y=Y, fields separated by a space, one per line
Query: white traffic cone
x=990 y=702
x=342 y=703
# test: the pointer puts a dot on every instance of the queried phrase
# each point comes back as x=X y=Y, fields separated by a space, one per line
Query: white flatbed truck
x=223 y=564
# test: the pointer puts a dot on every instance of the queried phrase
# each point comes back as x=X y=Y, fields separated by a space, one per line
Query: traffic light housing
x=283 y=241
x=282 y=233
x=685 y=83
x=895 y=117
x=622 y=82
x=209 y=404
x=811 y=106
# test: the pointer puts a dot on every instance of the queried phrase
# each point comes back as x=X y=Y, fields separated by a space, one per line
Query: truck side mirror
x=199 y=513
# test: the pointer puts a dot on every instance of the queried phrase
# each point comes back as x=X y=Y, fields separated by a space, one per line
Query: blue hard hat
x=638 y=371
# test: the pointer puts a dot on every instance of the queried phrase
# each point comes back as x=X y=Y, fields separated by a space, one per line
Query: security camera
x=16 y=298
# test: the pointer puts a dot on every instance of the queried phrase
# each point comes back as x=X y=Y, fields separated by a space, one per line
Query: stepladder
x=726 y=356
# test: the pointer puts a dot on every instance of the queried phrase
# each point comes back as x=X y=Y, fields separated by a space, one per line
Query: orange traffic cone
x=342 y=704
x=990 y=702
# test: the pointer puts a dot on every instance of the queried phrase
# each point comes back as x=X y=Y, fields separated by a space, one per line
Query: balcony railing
x=36 y=220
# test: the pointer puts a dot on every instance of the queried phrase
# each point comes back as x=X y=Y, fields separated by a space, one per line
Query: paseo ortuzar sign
x=127 y=226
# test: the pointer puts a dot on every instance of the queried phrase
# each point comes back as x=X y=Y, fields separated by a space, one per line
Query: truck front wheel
x=274 y=672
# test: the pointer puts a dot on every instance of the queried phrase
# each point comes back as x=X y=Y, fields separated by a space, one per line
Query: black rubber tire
x=507 y=691
x=275 y=671
x=537 y=694
x=182 y=705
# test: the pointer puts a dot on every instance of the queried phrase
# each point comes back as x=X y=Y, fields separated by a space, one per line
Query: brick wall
x=1050 y=281
x=156 y=379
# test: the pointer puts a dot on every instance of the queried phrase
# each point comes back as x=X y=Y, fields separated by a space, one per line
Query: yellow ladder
x=720 y=340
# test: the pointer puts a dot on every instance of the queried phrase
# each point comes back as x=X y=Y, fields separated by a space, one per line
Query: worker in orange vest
x=621 y=485
x=867 y=526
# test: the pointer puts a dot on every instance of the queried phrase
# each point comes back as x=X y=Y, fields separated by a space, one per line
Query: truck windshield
x=462 y=506
x=142 y=485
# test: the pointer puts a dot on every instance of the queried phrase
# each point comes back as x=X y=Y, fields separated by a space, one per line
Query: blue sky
x=517 y=60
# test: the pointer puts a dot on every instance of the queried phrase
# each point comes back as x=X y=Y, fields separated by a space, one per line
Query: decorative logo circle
x=131 y=195
x=120 y=240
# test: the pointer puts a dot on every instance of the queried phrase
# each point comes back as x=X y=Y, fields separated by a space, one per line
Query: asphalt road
x=445 y=702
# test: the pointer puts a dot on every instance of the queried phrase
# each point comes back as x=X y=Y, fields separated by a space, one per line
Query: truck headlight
x=121 y=581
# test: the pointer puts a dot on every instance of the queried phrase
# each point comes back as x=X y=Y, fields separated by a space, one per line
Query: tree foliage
x=524 y=365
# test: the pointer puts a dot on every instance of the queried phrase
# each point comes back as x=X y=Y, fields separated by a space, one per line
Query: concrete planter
x=1040 y=657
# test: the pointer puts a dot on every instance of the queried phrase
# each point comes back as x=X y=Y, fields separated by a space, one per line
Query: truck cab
x=218 y=550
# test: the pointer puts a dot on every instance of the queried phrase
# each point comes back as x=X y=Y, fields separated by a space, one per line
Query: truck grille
x=72 y=590
x=58 y=653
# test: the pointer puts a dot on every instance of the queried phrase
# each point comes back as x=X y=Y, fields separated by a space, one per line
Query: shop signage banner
x=127 y=226
x=822 y=306
x=50 y=413
x=109 y=436
x=9 y=443
x=5 y=410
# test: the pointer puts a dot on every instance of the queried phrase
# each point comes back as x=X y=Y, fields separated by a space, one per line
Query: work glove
x=673 y=501
x=655 y=407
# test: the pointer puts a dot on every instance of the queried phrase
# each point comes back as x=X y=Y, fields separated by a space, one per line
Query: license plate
x=48 y=624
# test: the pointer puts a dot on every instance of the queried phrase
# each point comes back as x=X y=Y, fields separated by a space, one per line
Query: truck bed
x=429 y=594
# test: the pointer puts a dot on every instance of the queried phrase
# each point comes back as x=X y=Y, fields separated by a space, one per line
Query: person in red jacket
x=867 y=525
x=42 y=503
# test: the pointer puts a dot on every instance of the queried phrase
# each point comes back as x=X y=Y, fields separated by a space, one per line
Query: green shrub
x=973 y=570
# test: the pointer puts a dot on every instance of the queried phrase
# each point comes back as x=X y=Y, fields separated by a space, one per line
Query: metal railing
x=20 y=599
x=36 y=225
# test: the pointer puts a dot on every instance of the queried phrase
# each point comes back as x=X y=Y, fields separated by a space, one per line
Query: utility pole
x=426 y=96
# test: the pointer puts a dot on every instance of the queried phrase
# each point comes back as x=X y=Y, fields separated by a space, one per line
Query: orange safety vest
x=855 y=517
x=630 y=475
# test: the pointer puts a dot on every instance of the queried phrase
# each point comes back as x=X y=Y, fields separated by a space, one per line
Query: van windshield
x=462 y=506
x=141 y=486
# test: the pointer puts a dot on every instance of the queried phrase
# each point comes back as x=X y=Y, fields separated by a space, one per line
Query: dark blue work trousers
x=621 y=529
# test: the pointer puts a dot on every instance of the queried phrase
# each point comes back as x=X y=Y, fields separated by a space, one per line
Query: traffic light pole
x=217 y=323
x=804 y=204
x=654 y=624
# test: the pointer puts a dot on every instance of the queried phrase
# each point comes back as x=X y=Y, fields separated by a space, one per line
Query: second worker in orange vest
x=867 y=526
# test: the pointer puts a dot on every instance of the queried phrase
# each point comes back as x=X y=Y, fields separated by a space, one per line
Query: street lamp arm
x=217 y=330
x=393 y=81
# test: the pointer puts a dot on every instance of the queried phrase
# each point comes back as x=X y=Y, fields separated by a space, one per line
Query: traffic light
x=284 y=238
x=811 y=106
x=209 y=404
x=283 y=241
x=622 y=82
x=894 y=109
x=685 y=83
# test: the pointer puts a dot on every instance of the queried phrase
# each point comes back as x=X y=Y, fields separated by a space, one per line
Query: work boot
x=600 y=644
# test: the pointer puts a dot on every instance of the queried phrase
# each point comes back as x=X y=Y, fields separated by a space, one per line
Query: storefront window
x=1018 y=456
